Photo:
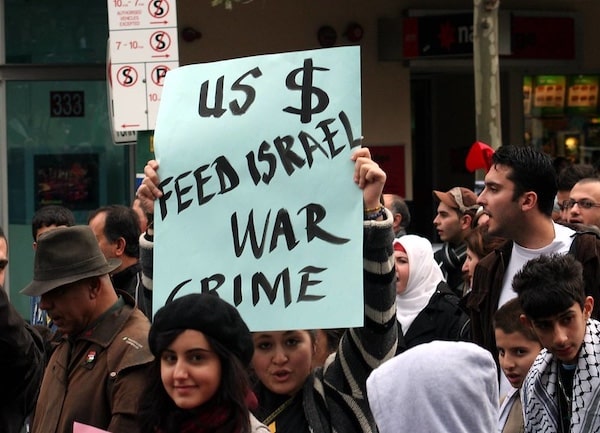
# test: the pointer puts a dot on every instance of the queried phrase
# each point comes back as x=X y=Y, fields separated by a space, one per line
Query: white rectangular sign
x=141 y=14
x=155 y=77
x=129 y=97
x=143 y=47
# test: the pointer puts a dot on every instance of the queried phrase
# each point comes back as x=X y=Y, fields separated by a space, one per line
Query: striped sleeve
x=340 y=387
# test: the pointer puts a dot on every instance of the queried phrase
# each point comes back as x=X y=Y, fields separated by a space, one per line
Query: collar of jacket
x=122 y=278
x=490 y=266
x=104 y=332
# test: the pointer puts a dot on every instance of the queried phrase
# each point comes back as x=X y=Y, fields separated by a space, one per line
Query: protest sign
x=259 y=204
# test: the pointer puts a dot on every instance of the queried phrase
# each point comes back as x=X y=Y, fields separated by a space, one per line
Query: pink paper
x=84 y=428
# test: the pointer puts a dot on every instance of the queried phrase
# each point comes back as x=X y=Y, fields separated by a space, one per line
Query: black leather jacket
x=22 y=363
x=442 y=319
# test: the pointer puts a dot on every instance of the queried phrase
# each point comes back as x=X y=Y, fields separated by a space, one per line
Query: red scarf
x=207 y=422
x=211 y=418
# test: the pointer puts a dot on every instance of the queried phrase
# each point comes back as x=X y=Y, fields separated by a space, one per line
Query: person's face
x=3 y=260
x=586 y=192
x=282 y=359
x=448 y=224
x=97 y=225
x=516 y=353
x=402 y=271
x=468 y=267
x=190 y=370
x=71 y=307
x=497 y=200
x=563 y=333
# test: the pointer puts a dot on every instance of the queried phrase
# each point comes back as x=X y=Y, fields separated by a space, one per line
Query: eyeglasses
x=3 y=264
x=583 y=204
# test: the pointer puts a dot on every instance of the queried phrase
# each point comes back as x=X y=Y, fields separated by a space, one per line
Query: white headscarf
x=442 y=386
x=424 y=275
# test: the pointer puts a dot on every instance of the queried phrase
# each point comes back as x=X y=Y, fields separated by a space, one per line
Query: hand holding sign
x=148 y=191
x=369 y=177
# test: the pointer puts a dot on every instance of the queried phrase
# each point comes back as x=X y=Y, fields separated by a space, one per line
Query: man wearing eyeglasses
x=22 y=359
x=583 y=205
x=567 y=179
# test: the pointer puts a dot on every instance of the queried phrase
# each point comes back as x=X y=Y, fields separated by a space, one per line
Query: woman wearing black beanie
x=199 y=381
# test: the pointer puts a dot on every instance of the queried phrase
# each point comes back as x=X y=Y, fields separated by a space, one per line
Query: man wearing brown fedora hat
x=455 y=212
x=97 y=372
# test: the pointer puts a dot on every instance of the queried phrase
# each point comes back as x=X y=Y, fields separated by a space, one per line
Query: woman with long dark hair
x=199 y=382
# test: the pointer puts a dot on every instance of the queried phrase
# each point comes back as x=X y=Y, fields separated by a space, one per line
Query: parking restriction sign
x=142 y=48
x=155 y=77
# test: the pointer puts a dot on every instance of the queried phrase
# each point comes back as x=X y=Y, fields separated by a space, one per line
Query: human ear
x=529 y=200
x=588 y=307
x=120 y=246
x=94 y=284
x=465 y=221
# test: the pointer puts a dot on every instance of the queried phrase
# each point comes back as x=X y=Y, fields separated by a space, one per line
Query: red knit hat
x=479 y=157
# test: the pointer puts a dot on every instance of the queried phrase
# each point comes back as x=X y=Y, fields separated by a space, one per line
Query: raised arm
x=344 y=376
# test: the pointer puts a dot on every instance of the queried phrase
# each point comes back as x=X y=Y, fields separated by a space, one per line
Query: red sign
x=438 y=35
x=538 y=37
x=531 y=37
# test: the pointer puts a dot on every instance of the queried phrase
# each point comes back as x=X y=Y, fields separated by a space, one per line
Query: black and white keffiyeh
x=541 y=388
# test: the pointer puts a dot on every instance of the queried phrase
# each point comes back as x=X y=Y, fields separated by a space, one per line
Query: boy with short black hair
x=561 y=393
x=518 y=346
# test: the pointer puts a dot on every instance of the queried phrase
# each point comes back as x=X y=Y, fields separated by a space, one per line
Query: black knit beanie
x=208 y=314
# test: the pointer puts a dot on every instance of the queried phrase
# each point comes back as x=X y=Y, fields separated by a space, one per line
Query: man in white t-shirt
x=519 y=197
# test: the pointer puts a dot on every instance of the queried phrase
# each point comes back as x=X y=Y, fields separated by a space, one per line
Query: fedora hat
x=65 y=255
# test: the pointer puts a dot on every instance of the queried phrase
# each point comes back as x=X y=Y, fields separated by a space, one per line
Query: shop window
x=60 y=149
x=561 y=116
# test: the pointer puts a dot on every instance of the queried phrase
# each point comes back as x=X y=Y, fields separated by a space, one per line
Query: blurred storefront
x=561 y=115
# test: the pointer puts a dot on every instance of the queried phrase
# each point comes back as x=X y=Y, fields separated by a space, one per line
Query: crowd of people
x=501 y=318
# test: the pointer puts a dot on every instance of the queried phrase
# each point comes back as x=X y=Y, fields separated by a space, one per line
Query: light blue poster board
x=259 y=204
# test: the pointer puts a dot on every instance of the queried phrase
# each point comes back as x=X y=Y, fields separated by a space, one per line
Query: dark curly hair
x=549 y=285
